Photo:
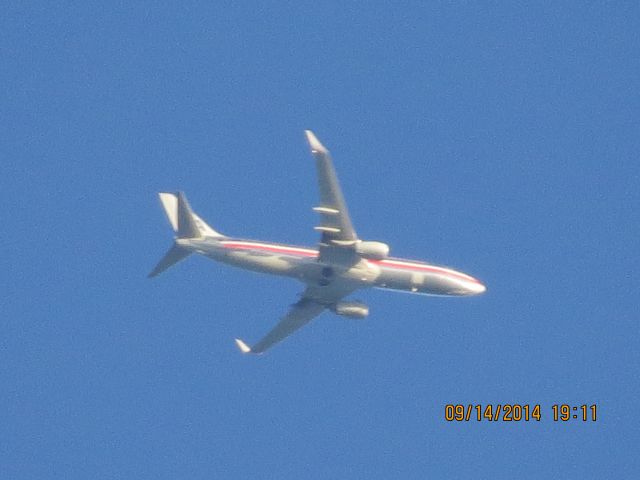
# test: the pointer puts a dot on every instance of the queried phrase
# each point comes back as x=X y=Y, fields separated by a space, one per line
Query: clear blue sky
x=496 y=138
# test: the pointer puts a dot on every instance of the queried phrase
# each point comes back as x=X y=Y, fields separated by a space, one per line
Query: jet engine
x=373 y=250
x=354 y=310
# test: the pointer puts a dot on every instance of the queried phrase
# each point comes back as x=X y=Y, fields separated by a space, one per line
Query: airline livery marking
x=426 y=268
x=305 y=252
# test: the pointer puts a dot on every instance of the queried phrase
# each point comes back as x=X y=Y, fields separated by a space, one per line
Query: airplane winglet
x=244 y=348
x=314 y=143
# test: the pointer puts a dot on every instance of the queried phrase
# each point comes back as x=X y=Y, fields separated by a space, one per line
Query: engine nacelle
x=355 y=310
x=373 y=250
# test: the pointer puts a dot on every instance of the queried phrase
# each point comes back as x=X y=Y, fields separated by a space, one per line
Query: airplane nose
x=477 y=288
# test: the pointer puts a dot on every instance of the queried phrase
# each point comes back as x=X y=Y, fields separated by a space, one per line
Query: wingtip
x=314 y=143
x=244 y=348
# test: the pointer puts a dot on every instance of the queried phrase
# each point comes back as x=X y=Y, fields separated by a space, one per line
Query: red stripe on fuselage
x=303 y=252
x=423 y=268
x=298 y=252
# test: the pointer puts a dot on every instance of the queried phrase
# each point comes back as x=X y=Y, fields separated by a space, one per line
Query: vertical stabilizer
x=187 y=227
x=184 y=222
x=170 y=204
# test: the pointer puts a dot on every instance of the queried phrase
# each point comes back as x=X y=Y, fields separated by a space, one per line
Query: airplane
x=341 y=264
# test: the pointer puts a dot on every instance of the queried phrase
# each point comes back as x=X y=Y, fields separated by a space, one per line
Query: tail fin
x=186 y=224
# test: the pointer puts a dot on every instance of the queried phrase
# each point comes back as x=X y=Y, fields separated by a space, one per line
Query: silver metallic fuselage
x=341 y=264
x=302 y=263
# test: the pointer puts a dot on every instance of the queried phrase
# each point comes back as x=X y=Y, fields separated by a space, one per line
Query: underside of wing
x=335 y=224
x=300 y=314
x=314 y=300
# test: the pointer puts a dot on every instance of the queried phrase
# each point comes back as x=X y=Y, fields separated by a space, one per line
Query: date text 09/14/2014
x=514 y=412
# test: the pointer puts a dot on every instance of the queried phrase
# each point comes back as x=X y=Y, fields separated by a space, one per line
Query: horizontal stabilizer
x=173 y=256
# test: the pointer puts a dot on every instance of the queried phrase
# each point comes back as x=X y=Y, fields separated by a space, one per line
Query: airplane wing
x=313 y=302
x=300 y=314
x=335 y=223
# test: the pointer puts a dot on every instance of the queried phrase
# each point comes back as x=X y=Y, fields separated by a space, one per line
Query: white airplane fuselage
x=302 y=263
x=341 y=264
